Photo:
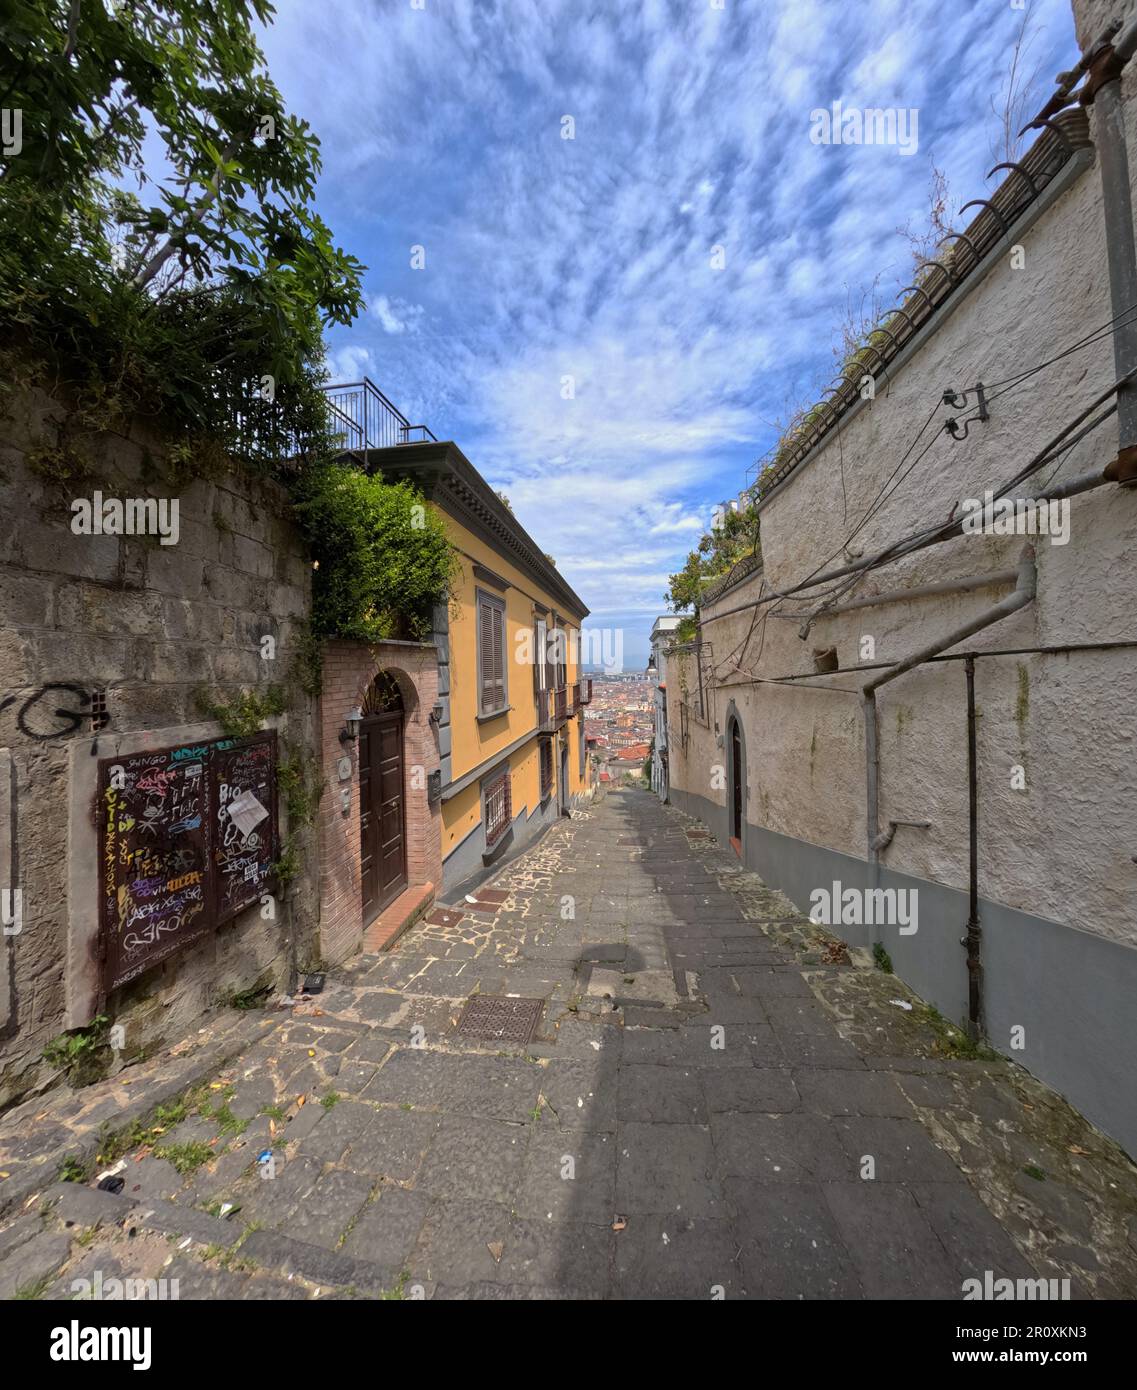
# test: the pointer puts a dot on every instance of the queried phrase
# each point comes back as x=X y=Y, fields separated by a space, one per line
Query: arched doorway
x=736 y=782
x=382 y=810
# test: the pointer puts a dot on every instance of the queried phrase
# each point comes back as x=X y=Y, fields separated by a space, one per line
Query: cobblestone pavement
x=717 y=1103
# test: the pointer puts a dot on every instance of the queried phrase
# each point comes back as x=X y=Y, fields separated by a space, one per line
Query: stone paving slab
x=721 y=1101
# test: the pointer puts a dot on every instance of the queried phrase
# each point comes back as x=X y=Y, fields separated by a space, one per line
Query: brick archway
x=350 y=669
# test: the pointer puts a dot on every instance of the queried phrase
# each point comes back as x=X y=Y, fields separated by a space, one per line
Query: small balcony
x=362 y=418
x=552 y=709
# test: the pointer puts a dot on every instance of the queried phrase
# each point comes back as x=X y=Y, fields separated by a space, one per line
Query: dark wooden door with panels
x=382 y=813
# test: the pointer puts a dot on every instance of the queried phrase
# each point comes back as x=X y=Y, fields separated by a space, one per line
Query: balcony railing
x=552 y=709
x=363 y=418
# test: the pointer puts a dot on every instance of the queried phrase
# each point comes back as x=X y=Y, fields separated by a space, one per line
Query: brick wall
x=349 y=669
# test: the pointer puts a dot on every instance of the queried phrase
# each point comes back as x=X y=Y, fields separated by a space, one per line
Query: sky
x=611 y=326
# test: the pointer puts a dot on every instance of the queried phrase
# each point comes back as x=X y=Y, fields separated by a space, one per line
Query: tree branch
x=201 y=207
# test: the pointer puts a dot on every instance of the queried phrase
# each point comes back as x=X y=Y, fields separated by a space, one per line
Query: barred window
x=546 y=749
x=498 y=814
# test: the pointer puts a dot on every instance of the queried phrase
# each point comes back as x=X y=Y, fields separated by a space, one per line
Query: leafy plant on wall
x=383 y=559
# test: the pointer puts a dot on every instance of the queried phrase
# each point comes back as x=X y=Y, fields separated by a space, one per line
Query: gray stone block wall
x=150 y=626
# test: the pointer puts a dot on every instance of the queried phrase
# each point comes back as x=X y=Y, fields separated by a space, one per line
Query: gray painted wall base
x=1073 y=993
x=464 y=865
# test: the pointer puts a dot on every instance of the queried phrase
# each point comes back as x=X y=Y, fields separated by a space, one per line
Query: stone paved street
x=718 y=1102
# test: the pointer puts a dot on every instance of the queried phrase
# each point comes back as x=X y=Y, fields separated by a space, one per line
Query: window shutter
x=540 y=646
x=546 y=751
x=485 y=639
x=499 y=657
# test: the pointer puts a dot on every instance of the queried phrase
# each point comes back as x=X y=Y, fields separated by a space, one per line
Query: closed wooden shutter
x=485 y=640
x=498 y=657
x=491 y=643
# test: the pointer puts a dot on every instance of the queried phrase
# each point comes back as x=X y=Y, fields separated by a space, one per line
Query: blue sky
x=592 y=258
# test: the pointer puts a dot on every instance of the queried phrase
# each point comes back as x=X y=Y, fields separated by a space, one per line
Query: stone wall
x=144 y=627
x=1056 y=874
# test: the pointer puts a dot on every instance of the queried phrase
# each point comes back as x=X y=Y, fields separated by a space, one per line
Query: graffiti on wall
x=187 y=838
x=35 y=717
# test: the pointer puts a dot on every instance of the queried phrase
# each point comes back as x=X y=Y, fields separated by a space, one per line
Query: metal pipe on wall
x=1023 y=594
x=942 y=586
x=973 y=939
x=872 y=793
x=1121 y=252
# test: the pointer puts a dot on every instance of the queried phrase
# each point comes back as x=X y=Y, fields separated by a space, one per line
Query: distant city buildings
x=619 y=725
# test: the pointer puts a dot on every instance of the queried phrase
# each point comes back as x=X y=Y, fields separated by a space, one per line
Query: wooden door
x=382 y=831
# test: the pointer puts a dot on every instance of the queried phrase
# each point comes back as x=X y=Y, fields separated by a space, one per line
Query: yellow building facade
x=510 y=712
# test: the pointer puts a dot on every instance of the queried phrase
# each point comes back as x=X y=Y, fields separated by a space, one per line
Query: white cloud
x=589 y=258
x=396 y=315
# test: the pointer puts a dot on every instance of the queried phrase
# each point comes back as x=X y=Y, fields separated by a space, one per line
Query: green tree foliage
x=383 y=557
x=717 y=552
x=174 y=298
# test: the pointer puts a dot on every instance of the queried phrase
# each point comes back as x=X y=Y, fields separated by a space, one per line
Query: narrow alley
x=715 y=1102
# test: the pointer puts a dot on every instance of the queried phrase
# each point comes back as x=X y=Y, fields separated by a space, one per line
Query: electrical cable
x=1058 y=445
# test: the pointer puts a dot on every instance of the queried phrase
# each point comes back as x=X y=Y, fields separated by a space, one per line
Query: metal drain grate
x=500 y=1019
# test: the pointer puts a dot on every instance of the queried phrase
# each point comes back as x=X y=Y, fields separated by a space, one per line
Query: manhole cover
x=500 y=1019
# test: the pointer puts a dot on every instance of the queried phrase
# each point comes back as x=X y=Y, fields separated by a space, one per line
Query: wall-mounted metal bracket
x=958 y=400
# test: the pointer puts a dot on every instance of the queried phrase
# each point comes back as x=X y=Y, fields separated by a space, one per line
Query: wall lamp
x=350 y=731
x=436 y=713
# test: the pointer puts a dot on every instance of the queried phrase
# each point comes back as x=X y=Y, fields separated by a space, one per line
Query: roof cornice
x=449 y=480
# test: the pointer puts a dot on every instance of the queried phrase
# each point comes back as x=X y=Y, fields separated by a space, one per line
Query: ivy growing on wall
x=382 y=556
x=245 y=714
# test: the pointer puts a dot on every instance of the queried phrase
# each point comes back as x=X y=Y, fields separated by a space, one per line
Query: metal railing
x=552 y=709
x=363 y=418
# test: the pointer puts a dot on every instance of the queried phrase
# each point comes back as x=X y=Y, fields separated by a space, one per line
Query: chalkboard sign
x=243 y=814
x=173 y=863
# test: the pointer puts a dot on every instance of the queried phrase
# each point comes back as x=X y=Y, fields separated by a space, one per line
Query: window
x=582 y=748
x=491 y=654
x=558 y=655
x=498 y=808
x=541 y=654
x=545 y=746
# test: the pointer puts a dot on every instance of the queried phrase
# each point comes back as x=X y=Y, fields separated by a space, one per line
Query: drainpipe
x=974 y=935
x=1023 y=594
x=942 y=586
x=1103 y=90
x=886 y=837
x=872 y=797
